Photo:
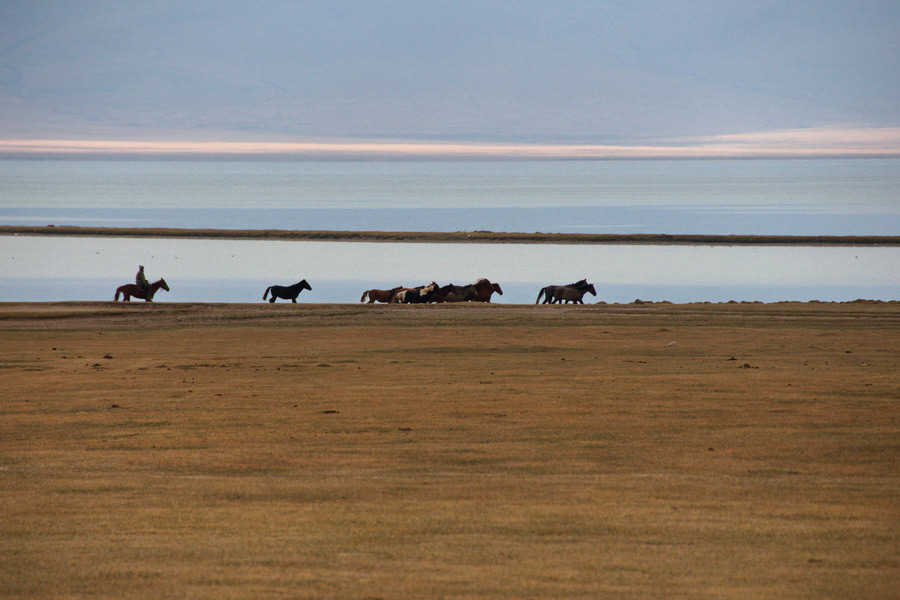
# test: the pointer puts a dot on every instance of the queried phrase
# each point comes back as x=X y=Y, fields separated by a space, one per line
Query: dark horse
x=287 y=292
x=567 y=293
x=131 y=289
x=549 y=291
x=417 y=295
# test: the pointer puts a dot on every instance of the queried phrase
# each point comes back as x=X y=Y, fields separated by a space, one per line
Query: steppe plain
x=449 y=451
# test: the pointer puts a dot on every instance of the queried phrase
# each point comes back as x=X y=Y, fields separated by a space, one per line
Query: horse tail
x=365 y=293
x=118 y=291
x=266 y=293
x=540 y=293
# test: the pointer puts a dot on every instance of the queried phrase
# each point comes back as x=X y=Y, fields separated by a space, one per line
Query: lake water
x=776 y=197
x=57 y=268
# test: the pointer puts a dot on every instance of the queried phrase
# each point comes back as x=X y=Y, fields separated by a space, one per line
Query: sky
x=474 y=79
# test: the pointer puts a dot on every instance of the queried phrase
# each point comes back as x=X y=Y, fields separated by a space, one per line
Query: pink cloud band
x=796 y=143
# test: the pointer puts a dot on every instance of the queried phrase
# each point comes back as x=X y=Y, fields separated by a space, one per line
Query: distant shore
x=469 y=237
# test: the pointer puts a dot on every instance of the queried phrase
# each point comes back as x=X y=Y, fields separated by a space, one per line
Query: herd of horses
x=480 y=291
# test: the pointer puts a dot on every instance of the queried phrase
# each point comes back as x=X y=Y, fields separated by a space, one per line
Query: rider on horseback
x=141 y=280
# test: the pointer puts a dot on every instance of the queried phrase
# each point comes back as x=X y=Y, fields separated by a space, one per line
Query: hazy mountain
x=527 y=70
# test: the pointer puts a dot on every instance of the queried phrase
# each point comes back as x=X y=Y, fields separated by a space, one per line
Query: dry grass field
x=449 y=451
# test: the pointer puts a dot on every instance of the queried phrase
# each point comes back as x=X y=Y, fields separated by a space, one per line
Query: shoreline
x=460 y=237
x=169 y=315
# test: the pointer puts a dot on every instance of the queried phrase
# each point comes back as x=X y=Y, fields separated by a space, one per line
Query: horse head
x=496 y=287
x=163 y=284
x=304 y=285
x=590 y=288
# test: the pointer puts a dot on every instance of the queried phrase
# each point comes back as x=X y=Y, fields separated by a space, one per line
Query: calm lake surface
x=776 y=197
x=66 y=268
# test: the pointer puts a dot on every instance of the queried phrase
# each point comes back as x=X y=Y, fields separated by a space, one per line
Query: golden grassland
x=491 y=237
x=449 y=451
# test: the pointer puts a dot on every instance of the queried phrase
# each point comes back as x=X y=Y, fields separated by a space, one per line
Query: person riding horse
x=141 y=280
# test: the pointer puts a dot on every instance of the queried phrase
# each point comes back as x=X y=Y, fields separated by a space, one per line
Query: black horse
x=549 y=291
x=287 y=292
x=418 y=296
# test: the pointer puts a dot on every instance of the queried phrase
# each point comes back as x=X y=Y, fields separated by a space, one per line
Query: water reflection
x=50 y=268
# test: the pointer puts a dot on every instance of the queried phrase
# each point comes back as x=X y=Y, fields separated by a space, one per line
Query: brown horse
x=484 y=289
x=130 y=289
x=380 y=295
x=567 y=293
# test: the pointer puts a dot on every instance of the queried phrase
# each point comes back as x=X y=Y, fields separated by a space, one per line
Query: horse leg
x=294 y=299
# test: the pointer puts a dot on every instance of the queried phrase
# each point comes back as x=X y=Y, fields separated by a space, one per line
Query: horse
x=571 y=293
x=132 y=289
x=419 y=295
x=457 y=293
x=380 y=295
x=399 y=296
x=440 y=294
x=548 y=291
x=484 y=289
x=286 y=292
